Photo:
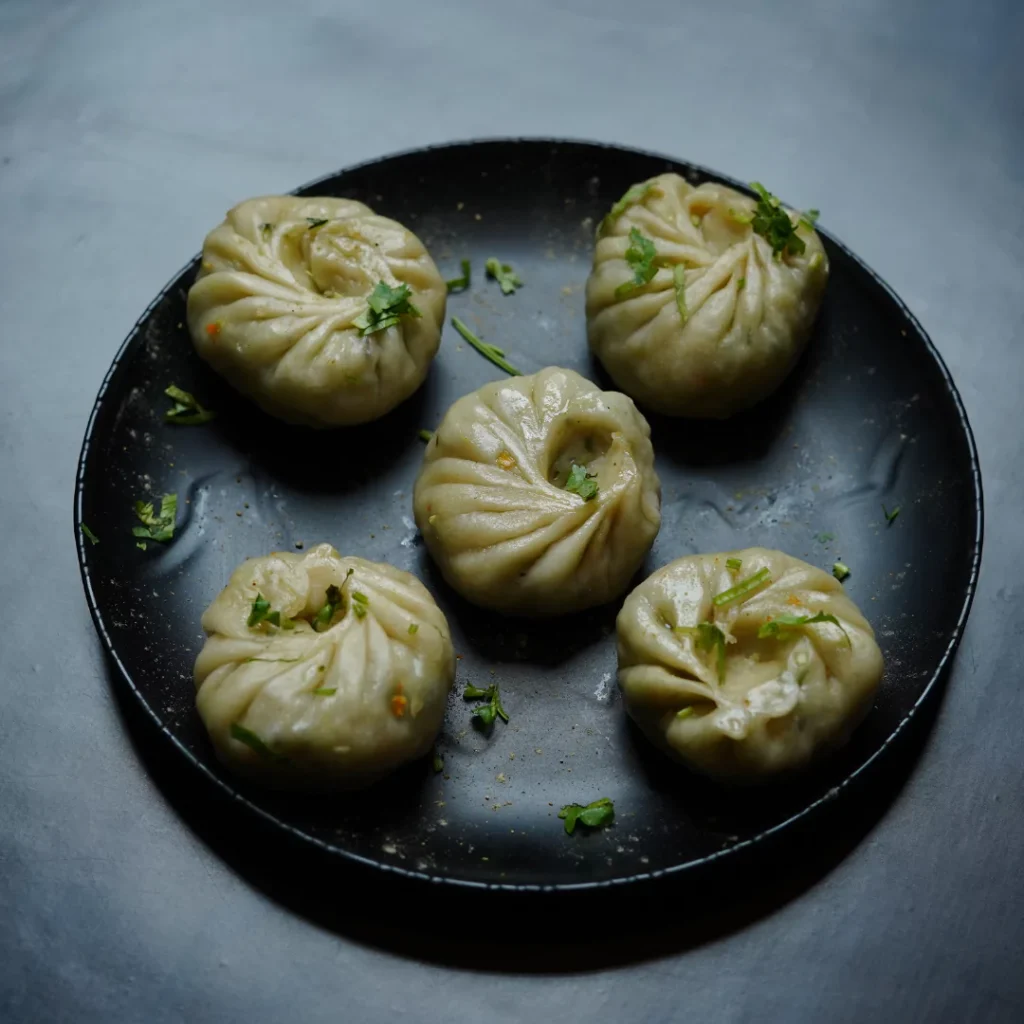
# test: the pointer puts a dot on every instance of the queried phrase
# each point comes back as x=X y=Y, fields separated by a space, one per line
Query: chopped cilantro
x=413 y=628
x=783 y=624
x=186 y=410
x=679 y=278
x=492 y=709
x=593 y=815
x=325 y=691
x=743 y=588
x=890 y=517
x=260 y=612
x=772 y=223
x=685 y=712
x=492 y=352
x=824 y=538
x=426 y=435
x=385 y=307
x=503 y=273
x=640 y=256
x=88 y=534
x=460 y=284
x=315 y=222
x=332 y=604
x=156 y=527
x=251 y=740
x=360 y=603
x=581 y=482
x=733 y=564
x=840 y=570
x=633 y=195
x=708 y=637
x=741 y=284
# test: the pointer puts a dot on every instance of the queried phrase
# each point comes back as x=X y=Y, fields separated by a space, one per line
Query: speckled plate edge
x=929 y=691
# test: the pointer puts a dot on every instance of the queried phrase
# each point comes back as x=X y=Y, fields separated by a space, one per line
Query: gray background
x=128 y=129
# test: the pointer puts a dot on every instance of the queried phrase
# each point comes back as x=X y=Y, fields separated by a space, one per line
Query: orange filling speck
x=213 y=329
x=398 y=705
x=793 y=599
x=506 y=460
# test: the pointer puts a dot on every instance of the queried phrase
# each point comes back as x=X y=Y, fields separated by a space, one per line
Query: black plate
x=869 y=416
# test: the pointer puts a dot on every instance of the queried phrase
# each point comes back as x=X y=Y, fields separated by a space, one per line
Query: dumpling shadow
x=307 y=460
x=503 y=638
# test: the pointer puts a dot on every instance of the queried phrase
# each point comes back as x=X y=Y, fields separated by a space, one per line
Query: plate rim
x=675 y=870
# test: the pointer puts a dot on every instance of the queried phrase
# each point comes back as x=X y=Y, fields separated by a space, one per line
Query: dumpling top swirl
x=281 y=307
x=538 y=494
x=691 y=310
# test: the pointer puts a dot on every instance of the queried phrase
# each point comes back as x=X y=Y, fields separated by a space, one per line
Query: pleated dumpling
x=322 y=671
x=745 y=664
x=538 y=495
x=318 y=309
x=700 y=300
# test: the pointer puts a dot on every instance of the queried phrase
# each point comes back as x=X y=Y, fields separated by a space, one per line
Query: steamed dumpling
x=745 y=688
x=538 y=494
x=281 y=308
x=722 y=319
x=322 y=671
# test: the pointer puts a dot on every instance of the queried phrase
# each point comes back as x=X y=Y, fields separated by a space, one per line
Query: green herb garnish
x=325 y=691
x=741 y=284
x=783 y=624
x=425 y=435
x=315 y=222
x=582 y=483
x=890 y=517
x=88 y=534
x=260 y=612
x=156 y=527
x=733 y=564
x=640 y=256
x=384 y=308
x=810 y=218
x=743 y=588
x=492 y=352
x=360 y=603
x=685 y=712
x=251 y=740
x=840 y=570
x=186 y=410
x=503 y=273
x=824 y=538
x=772 y=223
x=492 y=709
x=460 y=284
x=679 y=277
x=633 y=195
x=333 y=603
x=600 y=812
x=708 y=637
x=413 y=628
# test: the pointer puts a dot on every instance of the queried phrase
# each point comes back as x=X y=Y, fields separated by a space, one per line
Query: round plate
x=869 y=416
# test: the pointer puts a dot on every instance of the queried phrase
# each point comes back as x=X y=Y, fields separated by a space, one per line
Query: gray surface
x=128 y=128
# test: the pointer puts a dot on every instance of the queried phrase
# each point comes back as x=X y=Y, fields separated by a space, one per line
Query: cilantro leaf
x=781 y=625
x=414 y=628
x=890 y=517
x=492 y=709
x=503 y=273
x=325 y=691
x=186 y=410
x=251 y=740
x=260 y=612
x=426 y=435
x=593 y=815
x=156 y=527
x=632 y=196
x=315 y=222
x=640 y=256
x=840 y=570
x=772 y=223
x=384 y=308
x=743 y=588
x=492 y=352
x=581 y=482
x=323 y=617
x=88 y=534
x=460 y=284
x=360 y=603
